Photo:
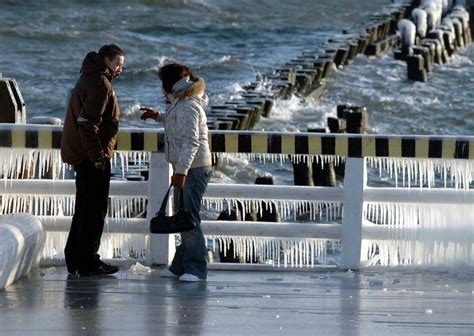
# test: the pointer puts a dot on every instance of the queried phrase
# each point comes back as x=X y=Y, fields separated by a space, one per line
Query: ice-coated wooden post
x=355 y=180
x=161 y=246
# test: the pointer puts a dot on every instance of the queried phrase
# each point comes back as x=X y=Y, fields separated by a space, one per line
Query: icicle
x=287 y=209
x=126 y=159
x=30 y=163
x=126 y=206
x=39 y=205
x=423 y=234
x=281 y=158
x=425 y=172
x=296 y=252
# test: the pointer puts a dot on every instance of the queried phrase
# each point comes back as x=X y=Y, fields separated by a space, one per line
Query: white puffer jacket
x=186 y=133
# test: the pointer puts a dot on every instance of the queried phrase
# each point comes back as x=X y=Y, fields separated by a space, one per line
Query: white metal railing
x=354 y=196
x=263 y=192
x=354 y=226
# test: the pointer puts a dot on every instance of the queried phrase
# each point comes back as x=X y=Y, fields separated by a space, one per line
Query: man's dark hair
x=110 y=51
x=172 y=73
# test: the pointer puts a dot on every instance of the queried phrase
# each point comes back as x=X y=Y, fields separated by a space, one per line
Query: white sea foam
x=224 y=59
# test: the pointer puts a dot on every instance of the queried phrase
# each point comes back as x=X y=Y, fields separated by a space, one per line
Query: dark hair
x=110 y=51
x=172 y=73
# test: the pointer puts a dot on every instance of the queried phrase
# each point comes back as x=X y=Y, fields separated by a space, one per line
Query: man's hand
x=148 y=114
x=178 y=180
x=99 y=164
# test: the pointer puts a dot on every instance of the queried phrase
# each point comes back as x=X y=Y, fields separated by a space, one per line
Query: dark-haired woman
x=187 y=149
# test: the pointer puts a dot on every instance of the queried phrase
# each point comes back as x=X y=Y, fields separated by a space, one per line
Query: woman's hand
x=148 y=114
x=178 y=180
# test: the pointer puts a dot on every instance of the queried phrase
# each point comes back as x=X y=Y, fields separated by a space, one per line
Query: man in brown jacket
x=87 y=143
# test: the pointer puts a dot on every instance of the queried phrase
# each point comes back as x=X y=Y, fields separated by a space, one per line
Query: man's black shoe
x=101 y=268
x=98 y=268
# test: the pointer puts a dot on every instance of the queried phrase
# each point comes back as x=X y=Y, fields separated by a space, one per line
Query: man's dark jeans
x=92 y=194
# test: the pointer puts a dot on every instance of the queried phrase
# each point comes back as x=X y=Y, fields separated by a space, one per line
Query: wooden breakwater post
x=450 y=32
x=12 y=105
x=303 y=171
x=349 y=119
x=13 y=110
x=226 y=254
x=382 y=29
x=323 y=173
x=264 y=214
x=315 y=173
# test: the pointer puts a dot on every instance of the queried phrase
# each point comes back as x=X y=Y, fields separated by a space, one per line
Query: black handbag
x=180 y=222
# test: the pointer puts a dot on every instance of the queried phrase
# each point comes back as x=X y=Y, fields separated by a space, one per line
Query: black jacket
x=92 y=118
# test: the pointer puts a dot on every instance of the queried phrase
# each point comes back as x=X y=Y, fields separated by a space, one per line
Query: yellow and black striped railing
x=351 y=145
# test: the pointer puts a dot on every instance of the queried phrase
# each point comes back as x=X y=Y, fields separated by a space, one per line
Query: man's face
x=115 y=65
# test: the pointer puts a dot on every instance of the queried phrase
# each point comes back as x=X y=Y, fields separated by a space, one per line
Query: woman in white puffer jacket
x=187 y=149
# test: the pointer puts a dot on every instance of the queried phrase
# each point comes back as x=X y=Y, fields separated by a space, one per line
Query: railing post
x=161 y=246
x=355 y=180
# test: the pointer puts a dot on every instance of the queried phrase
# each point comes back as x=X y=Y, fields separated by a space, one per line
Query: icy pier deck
x=375 y=302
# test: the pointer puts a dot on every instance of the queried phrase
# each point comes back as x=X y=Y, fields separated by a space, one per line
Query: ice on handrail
x=277 y=251
x=328 y=211
x=421 y=234
x=123 y=246
x=35 y=163
x=424 y=172
x=63 y=205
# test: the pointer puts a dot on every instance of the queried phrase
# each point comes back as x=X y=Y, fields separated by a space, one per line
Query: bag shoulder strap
x=181 y=199
x=165 y=200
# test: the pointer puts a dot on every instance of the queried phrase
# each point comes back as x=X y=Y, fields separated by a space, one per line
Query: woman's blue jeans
x=191 y=255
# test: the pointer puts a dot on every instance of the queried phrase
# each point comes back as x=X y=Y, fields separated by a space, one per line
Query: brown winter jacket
x=92 y=118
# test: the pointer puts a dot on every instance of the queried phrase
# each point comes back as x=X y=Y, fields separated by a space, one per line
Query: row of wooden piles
x=439 y=44
x=304 y=76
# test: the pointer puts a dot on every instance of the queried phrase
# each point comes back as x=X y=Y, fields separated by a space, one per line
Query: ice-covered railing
x=405 y=154
x=403 y=224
